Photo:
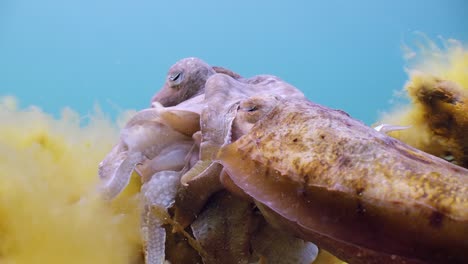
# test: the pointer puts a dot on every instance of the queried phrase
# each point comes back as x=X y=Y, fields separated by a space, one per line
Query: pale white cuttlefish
x=157 y=143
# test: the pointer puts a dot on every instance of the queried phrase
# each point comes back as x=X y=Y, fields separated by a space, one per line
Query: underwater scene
x=152 y=132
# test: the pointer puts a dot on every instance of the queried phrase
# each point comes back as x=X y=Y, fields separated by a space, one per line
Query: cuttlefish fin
x=223 y=70
x=386 y=128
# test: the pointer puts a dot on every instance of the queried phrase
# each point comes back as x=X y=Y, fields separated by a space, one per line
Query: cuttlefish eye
x=252 y=108
x=256 y=107
x=176 y=77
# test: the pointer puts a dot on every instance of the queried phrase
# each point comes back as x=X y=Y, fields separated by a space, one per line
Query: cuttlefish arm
x=159 y=192
x=202 y=180
x=171 y=158
x=328 y=175
x=116 y=170
x=184 y=117
x=140 y=141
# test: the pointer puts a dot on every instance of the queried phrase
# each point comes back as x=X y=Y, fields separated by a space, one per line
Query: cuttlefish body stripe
x=332 y=175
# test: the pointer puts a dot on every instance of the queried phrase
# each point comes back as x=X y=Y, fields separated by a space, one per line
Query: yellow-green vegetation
x=438 y=113
x=49 y=206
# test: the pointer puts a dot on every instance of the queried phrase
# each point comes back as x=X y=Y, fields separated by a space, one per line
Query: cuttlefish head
x=251 y=111
x=185 y=79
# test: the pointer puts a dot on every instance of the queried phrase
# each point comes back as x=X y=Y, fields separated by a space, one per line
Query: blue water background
x=343 y=54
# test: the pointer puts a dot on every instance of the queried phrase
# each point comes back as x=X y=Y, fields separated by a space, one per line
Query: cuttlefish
x=222 y=96
x=140 y=142
x=354 y=191
x=176 y=141
x=186 y=79
x=190 y=78
x=157 y=143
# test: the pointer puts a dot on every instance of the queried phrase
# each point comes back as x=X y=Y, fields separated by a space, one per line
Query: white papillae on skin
x=160 y=192
x=154 y=237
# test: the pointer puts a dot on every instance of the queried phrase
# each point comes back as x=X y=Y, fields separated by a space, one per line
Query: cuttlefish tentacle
x=121 y=176
x=329 y=175
x=159 y=192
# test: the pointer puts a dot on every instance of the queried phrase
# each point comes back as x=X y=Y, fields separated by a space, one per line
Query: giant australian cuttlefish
x=249 y=171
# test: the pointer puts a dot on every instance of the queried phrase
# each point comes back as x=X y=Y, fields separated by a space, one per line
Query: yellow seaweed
x=50 y=210
x=438 y=113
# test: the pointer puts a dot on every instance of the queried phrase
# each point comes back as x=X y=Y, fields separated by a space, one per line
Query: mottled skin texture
x=223 y=94
x=330 y=178
x=359 y=194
